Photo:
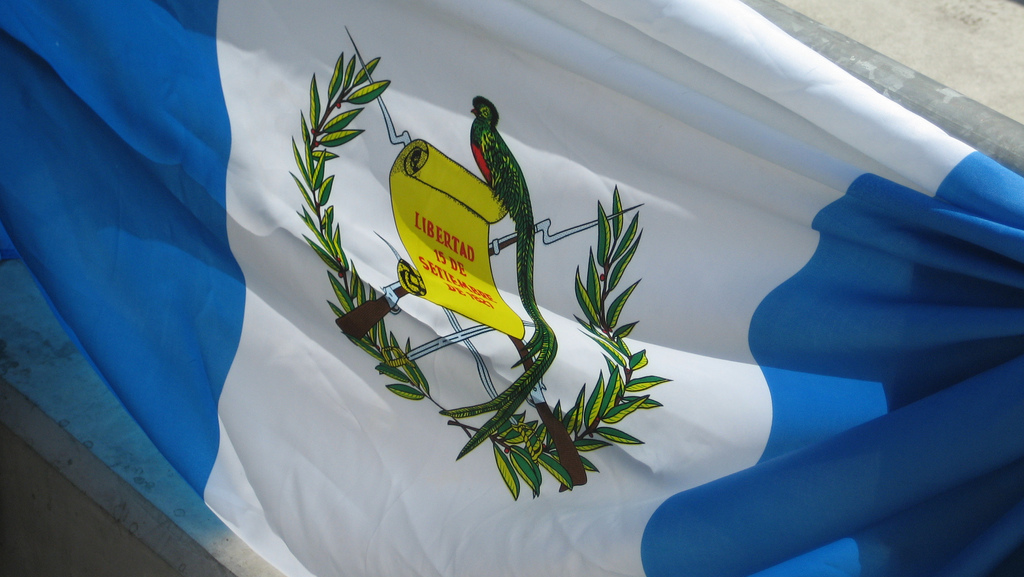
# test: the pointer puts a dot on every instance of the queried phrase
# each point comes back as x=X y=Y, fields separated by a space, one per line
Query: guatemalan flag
x=720 y=308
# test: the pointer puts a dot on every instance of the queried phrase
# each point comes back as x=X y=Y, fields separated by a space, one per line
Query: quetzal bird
x=502 y=173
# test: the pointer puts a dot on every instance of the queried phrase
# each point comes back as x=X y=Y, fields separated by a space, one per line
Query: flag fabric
x=6 y=245
x=519 y=288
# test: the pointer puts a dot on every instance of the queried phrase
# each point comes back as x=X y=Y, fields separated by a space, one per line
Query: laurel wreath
x=522 y=448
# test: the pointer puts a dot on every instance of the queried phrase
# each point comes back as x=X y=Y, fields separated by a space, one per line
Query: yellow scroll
x=443 y=213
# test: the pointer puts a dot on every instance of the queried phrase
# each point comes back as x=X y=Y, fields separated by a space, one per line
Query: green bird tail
x=490 y=427
x=517 y=392
x=514 y=392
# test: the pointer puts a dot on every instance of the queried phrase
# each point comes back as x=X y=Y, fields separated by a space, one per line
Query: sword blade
x=544 y=226
x=395 y=138
x=447 y=340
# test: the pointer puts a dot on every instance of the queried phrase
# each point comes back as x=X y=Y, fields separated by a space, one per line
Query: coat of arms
x=443 y=214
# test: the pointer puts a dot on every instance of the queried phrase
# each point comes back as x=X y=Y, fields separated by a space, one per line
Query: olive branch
x=610 y=400
x=348 y=91
x=522 y=448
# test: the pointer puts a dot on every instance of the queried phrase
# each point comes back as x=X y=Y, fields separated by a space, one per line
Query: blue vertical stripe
x=112 y=183
x=7 y=249
x=905 y=295
x=894 y=360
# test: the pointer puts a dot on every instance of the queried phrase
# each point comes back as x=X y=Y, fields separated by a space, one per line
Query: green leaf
x=349 y=71
x=305 y=129
x=574 y=420
x=608 y=397
x=556 y=469
x=328 y=221
x=594 y=331
x=618 y=436
x=594 y=285
x=644 y=383
x=650 y=404
x=325 y=189
x=588 y=465
x=622 y=410
x=406 y=392
x=617 y=211
x=503 y=428
x=342 y=120
x=615 y=309
x=324 y=256
x=336 y=78
x=584 y=300
x=375 y=332
x=624 y=331
x=318 y=176
x=604 y=233
x=298 y=161
x=615 y=386
x=310 y=223
x=309 y=164
x=638 y=360
x=339 y=291
x=610 y=348
x=366 y=71
x=305 y=195
x=369 y=92
x=627 y=239
x=339 y=138
x=538 y=434
x=584 y=445
x=507 y=474
x=620 y=265
x=367 y=346
x=314 y=102
x=341 y=253
x=314 y=225
x=526 y=468
x=393 y=372
x=544 y=435
x=593 y=411
x=416 y=376
x=324 y=155
x=358 y=291
x=515 y=438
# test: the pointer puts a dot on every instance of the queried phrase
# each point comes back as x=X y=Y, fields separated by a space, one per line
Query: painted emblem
x=443 y=213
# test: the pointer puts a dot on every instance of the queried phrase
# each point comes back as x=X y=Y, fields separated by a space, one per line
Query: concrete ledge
x=988 y=131
x=64 y=512
x=142 y=513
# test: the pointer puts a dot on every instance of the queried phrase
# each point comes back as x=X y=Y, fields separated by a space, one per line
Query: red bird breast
x=478 y=154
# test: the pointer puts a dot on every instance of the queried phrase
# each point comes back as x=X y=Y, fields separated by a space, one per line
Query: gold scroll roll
x=443 y=213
